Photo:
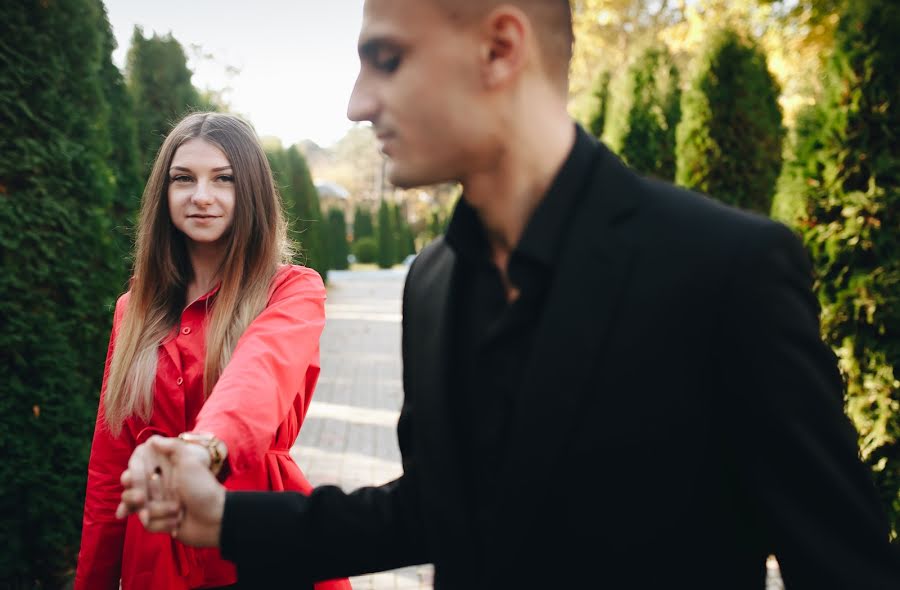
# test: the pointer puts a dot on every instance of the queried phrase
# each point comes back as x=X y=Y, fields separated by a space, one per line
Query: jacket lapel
x=593 y=269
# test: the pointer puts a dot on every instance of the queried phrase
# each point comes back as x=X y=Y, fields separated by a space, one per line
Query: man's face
x=419 y=86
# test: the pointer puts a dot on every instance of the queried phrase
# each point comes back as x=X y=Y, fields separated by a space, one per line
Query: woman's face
x=201 y=192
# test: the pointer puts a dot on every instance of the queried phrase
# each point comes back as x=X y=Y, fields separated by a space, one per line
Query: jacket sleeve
x=287 y=539
x=273 y=359
x=798 y=451
x=102 y=534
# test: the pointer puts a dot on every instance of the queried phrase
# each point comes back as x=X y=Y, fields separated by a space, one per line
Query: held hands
x=169 y=486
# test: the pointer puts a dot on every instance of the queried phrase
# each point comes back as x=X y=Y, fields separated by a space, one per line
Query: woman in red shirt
x=217 y=340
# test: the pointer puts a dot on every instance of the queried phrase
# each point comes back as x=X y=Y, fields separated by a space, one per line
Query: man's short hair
x=551 y=19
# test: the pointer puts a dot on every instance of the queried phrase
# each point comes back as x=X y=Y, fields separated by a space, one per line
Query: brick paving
x=349 y=437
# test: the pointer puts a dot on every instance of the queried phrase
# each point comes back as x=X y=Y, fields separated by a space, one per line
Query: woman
x=216 y=341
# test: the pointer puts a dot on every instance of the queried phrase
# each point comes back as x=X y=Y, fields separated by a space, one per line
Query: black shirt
x=492 y=339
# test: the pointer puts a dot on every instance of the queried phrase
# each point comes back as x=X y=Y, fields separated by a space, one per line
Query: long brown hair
x=257 y=244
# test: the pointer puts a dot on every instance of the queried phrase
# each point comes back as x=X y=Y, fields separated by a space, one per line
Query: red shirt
x=256 y=409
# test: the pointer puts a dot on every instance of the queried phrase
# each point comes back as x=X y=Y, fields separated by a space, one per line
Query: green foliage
x=338 y=247
x=366 y=250
x=438 y=219
x=387 y=243
x=644 y=113
x=852 y=182
x=730 y=136
x=160 y=84
x=597 y=118
x=404 y=245
x=362 y=224
x=123 y=156
x=58 y=274
x=301 y=205
x=789 y=205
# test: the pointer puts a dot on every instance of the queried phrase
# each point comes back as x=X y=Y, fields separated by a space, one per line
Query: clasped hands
x=169 y=486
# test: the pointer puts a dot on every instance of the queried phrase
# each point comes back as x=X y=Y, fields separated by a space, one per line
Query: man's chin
x=406 y=178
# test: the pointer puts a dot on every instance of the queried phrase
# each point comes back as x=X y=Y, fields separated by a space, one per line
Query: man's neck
x=506 y=196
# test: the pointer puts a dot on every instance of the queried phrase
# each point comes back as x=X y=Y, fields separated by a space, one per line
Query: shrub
x=644 y=113
x=729 y=140
x=365 y=250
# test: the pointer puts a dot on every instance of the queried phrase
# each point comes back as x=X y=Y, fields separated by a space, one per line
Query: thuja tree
x=338 y=247
x=597 y=117
x=58 y=276
x=387 y=243
x=852 y=180
x=644 y=113
x=730 y=137
x=306 y=225
x=160 y=84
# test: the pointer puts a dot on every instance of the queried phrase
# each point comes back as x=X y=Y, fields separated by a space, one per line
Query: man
x=609 y=381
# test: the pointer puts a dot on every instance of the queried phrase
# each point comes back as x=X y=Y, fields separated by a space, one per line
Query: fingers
x=160 y=516
x=164 y=446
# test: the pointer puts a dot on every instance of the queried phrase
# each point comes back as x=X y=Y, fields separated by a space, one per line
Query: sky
x=295 y=60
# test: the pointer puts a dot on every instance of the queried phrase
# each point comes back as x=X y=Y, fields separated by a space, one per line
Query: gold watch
x=215 y=447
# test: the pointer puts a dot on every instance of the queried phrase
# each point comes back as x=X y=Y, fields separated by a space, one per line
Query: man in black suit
x=609 y=381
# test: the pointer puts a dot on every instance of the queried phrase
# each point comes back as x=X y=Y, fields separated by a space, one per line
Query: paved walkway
x=349 y=437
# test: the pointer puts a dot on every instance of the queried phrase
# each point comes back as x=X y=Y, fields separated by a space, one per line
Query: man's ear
x=506 y=37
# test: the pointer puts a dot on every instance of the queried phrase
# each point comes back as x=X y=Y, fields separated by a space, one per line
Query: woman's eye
x=181 y=178
x=226 y=178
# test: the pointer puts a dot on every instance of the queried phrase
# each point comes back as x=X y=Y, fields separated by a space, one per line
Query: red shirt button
x=185 y=330
x=179 y=381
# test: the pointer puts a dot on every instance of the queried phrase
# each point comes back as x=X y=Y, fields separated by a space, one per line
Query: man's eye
x=388 y=64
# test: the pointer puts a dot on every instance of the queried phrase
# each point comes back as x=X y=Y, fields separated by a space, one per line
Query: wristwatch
x=215 y=447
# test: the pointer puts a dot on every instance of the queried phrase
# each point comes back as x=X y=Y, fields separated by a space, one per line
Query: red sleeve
x=267 y=370
x=102 y=534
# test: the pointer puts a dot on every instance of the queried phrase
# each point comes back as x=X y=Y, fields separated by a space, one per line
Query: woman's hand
x=144 y=480
x=184 y=499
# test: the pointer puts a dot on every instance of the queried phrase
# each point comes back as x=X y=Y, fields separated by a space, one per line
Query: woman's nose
x=203 y=195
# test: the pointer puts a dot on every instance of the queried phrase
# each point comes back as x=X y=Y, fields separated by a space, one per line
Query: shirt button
x=179 y=381
x=185 y=330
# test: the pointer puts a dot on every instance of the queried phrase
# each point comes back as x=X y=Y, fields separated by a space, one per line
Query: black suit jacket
x=681 y=420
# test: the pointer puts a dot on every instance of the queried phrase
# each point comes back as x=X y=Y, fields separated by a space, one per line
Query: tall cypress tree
x=387 y=255
x=597 y=118
x=123 y=155
x=362 y=224
x=852 y=177
x=338 y=247
x=58 y=279
x=730 y=137
x=307 y=223
x=644 y=114
x=160 y=84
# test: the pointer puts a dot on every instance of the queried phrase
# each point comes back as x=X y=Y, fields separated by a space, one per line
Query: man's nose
x=363 y=105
